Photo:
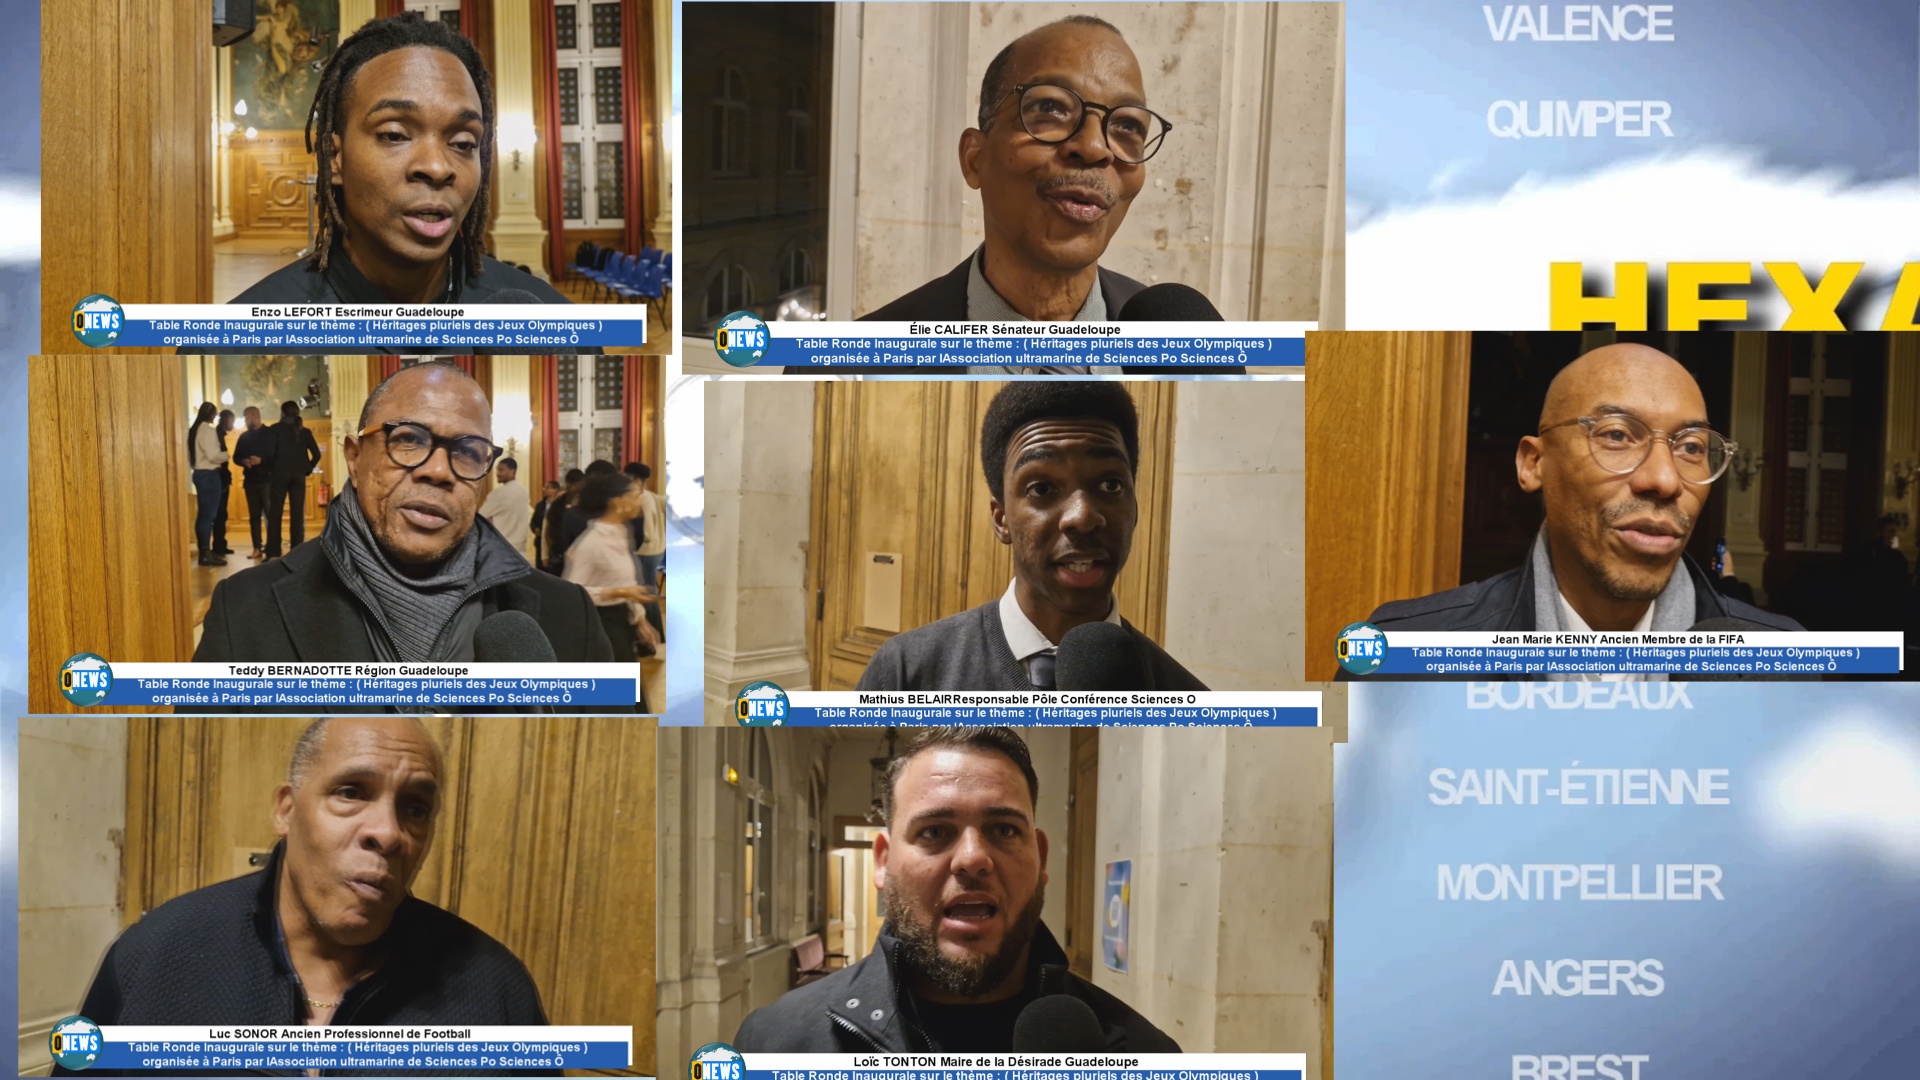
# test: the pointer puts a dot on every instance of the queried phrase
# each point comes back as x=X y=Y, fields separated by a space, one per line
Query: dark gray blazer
x=944 y=299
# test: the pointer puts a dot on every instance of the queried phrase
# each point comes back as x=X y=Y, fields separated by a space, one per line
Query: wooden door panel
x=544 y=840
x=897 y=469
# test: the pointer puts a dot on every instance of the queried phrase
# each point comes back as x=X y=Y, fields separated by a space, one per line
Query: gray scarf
x=1672 y=611
x=413 y=610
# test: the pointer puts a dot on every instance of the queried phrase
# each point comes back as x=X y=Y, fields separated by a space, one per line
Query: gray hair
x=305 y=752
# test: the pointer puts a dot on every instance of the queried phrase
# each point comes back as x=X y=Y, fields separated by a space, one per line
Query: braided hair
x=377 y=38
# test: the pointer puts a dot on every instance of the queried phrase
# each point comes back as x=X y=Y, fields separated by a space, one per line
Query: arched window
x=729 y=122
x=759 y=862
x=798 y=131
x=730 y=289
x=796 y=271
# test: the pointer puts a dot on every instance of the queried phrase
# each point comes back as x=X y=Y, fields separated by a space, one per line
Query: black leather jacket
x=864 y=1008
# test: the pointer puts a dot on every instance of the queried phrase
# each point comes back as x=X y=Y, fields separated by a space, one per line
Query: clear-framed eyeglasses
x=1054 y=114
x=1622 y=443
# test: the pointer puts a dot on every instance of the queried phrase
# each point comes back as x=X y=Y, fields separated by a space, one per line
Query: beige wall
x=1231 y=837
x=1236 y=579
x=1237 y=203
x=73 y=778
x=759 y=476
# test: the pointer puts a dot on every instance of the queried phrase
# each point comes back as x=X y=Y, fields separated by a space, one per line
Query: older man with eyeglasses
x=405 y=569
x=1060 y=151
x=1624 y=459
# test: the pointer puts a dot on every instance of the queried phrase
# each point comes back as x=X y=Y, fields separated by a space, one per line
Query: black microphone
x=1100 y=656
x=1058 y=1024
x=1727 y=623
x=511 y=637
x=1169 y=301
x=513 y=296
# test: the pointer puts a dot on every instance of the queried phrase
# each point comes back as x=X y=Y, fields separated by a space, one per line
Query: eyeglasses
x=1054 y=114
x=409 y=445
x=1622 y=443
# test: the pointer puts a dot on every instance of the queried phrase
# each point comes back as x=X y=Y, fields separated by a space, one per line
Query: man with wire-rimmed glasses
x=1624 y=459
x=405 y=569
x=1060 y=151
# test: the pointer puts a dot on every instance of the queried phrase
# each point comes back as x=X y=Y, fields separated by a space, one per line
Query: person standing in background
x=254 y=452
x=649 y=539
x=208 y=458
x=220 y=547
x=294 y=457
x=548 y=495
x=506 y=506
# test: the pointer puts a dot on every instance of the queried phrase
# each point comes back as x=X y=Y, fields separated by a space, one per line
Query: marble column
x=347 y=382
x=518 y=235
x=666 y=123
x=759 y=502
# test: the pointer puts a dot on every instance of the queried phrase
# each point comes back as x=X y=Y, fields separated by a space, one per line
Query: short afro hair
x=997 y=83
x=1021 y=403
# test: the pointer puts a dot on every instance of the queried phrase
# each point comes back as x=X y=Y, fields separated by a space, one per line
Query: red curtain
x=547 y=30
x=383 y=9
x=634 y=121
x=633 y=411
x=389 y=367
x=548 y=372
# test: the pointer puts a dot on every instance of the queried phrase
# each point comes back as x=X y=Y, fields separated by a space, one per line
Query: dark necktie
x=1040 y=670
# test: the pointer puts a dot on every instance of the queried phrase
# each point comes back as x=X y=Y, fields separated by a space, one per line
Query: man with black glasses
x=1060 y=152
x=1624 y=460
x=405 y=569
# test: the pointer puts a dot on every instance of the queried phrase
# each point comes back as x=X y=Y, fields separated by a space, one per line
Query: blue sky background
x=1807 y=86
x=1792 y=975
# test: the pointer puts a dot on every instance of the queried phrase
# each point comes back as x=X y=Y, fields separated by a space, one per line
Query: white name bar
x=1560 y=639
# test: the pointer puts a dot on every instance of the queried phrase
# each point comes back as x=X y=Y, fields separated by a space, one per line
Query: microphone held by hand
x=1169 y=301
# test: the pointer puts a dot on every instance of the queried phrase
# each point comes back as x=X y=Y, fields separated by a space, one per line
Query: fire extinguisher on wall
x=323 y=495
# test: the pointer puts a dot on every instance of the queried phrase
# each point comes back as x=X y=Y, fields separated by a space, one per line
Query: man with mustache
x=1058 y=157
x=1624 y=459
x=402 y=132
x=963 y=952
x=328 y=933
x=405 y=569
x=1059 y=459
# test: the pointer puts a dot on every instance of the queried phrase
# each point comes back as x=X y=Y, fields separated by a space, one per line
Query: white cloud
x=19 y=221
x=764 y=692
x=102 y=304
x=1851 y=782
x=1481 y=263
x=741 y=323
x=90 y=664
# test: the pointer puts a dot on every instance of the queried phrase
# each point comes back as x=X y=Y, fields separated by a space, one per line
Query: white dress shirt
x=1025 y=639
x=508 y=508
x=1571 y=620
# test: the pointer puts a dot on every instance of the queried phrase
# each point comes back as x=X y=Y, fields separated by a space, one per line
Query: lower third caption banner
x=356 y=685
x=1019 y=1066
x=765 y=705
x=268 y=1049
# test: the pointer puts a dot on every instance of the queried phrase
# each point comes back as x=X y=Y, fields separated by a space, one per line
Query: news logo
x=761 y=704
x=717 y=1061
x=1362 y=648
x=98 y=320
x=85 y=679
x=75 y=1043
x=741 y=339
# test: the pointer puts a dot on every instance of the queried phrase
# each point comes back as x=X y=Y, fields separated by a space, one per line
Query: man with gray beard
x=963 y=952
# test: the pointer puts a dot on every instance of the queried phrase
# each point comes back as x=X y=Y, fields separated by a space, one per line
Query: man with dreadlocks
x=403 y=130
